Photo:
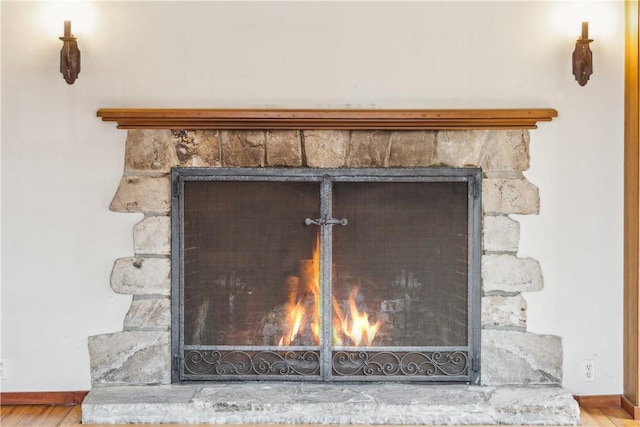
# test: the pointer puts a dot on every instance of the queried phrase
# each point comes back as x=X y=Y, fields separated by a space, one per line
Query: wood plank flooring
x=65 y=416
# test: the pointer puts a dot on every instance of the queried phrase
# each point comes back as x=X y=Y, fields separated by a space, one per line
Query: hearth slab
x=342 y=403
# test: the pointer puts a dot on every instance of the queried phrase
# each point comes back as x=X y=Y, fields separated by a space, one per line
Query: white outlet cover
x=588 y=370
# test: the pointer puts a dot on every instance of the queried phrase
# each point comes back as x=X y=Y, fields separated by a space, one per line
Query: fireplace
x=269 y=285
x=325 y=176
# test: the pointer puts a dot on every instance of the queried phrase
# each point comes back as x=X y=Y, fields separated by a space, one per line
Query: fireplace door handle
x=322 y=221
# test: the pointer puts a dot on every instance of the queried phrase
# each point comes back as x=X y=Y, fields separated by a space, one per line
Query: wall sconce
x=582 y=60
x=69 y=55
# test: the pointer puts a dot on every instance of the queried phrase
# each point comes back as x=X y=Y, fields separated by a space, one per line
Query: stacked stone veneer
x=140 y=354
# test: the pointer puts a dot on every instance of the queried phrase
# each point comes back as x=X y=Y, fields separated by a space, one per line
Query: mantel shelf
x=458 y=119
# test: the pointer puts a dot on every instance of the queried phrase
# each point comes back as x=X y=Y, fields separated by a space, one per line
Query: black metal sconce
x=582 y=58
x=69 y=55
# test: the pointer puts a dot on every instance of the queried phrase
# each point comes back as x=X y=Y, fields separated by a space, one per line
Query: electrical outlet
x=3 y=370
x=588 y=370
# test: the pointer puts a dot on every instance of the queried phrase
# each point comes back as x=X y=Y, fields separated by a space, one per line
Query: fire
x=300 y=290
x=355 y=325
x=315 y=289
x=352 y=329
x=295 y=314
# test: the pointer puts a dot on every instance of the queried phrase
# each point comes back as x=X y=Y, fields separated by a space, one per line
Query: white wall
x=61 y=165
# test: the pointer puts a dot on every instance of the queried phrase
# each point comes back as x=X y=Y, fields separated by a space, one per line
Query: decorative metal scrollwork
x=386 y=363
x=244 y=363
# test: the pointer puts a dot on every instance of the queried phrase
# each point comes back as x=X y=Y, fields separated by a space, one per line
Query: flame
x=354 y=327
x=315 y=289
x=295 y=314
x=299 y=291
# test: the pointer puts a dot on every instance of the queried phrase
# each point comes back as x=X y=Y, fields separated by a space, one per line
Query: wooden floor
x=44 y=415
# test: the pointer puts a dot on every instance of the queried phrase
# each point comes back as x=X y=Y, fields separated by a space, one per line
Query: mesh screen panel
x=405 y=249
x=243 y=246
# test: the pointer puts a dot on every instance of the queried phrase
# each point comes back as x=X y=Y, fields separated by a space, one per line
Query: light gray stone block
x=509 y=196
x=284 y=148
x=369 y=149
x=149 y=313
x=500 y=234
x=412 y=148
x=326 y=148
x=519 y=405
x=460 y=148
x=149 y=150
x=506 y=150
x=510 y=274
x=308 y=403
x=512 y=357
x=141 y=276
x=147 y=194
x=152 y=236
x=132 y=357
x=504 y=312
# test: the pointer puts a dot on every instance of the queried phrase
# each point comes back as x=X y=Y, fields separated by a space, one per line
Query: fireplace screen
x=334 y=275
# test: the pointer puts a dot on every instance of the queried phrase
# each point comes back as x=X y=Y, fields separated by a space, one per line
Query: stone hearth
x=521 y=370
x=287 y=403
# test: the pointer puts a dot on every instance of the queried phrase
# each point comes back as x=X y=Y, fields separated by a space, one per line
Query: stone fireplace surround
x=521 y=371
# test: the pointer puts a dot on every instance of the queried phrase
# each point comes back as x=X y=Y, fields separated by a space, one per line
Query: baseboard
x=630 y=408
x=76 y=398
x=43 y=398
x=601 y=401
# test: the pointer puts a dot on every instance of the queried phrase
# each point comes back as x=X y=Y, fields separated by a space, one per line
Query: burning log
x=309 y=276
x=293 y=285
x=297 y=321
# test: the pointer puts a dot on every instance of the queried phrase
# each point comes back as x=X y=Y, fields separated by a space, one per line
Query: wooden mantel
x=144 y=118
